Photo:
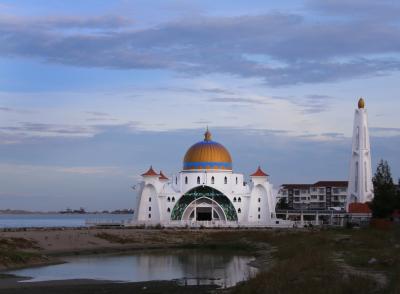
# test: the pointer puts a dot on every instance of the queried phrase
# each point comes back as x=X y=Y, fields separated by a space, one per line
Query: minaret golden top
x=207 y=135
x=361 y=103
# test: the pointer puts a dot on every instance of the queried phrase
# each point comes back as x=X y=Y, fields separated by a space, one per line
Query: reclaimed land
x=290 y=261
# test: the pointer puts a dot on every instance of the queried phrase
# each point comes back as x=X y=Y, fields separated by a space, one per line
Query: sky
x=93 y=92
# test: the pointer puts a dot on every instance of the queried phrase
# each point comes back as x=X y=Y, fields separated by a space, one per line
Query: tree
x=282 y=204
x=385 y=199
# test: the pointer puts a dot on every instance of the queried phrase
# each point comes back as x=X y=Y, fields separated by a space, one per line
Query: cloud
x=26 y=130
x=309 y=104
x=202 y=122
x=233 y=100
x=290 y=48
x=6 y=109
x=65 y=22
x=384 y=131
x=217 y=91
x=88 y=170
x=97 y=113
x=383 y=10
x=333 y=135
x=13 y=110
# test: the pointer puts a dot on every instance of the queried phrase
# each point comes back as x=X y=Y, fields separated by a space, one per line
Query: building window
x=234 y=199
x=239 y=199
x=259 y=209
x=173 y=199
x=186 y=180
x=225 y=180
x=169 y=209
x=239 y=210
x=198 y=180
x=149 y=208
x=149 y=199
x=169 y=199
x=149 y=215
x=259 y=216
x=259 y=199
x=212 y=180
x=236 y=180
x=176 y=180
x=296 y=192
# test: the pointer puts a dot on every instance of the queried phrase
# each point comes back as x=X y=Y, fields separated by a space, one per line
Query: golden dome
x=207 y=154
x=361 y=103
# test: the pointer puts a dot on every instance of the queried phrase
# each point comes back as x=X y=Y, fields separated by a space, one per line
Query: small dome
x=361 y=103
x=208 y=155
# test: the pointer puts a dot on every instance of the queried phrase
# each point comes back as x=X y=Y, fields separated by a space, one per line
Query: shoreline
x=87 y=286
x=112 y=241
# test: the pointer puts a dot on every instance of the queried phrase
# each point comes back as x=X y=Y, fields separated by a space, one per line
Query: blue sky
x=93 y=92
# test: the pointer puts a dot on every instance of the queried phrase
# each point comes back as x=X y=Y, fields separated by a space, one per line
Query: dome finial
x=361 y=103
x=207 y=135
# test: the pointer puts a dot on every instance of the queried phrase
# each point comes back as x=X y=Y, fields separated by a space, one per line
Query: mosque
x=207 y=192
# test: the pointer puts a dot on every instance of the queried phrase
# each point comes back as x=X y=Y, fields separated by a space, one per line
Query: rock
x=372 y=261
x=397 y=246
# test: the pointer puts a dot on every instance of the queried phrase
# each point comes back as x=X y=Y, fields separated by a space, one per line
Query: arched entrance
x=203 y=209
x=204 y=203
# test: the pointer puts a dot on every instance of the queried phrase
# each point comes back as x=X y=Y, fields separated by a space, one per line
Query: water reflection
x=189 y=267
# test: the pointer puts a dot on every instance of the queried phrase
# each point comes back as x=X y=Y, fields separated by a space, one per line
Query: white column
x=360 y=187
x=302 y=219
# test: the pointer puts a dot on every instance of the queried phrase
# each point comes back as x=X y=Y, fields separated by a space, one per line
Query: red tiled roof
x=150 y=172
x=162 y=176
x=359 y=208
x=259 y=173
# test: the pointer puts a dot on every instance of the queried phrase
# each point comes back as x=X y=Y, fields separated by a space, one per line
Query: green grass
x=13 y=251
x=304 y=262
x=14 y=257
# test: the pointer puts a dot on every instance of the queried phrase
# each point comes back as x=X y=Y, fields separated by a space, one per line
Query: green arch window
x=208 y=192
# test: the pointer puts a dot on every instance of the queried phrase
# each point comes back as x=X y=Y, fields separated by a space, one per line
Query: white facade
x=360 y=178
x=252 y=202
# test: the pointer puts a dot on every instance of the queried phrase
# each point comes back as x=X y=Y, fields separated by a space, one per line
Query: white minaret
x=360 y=179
